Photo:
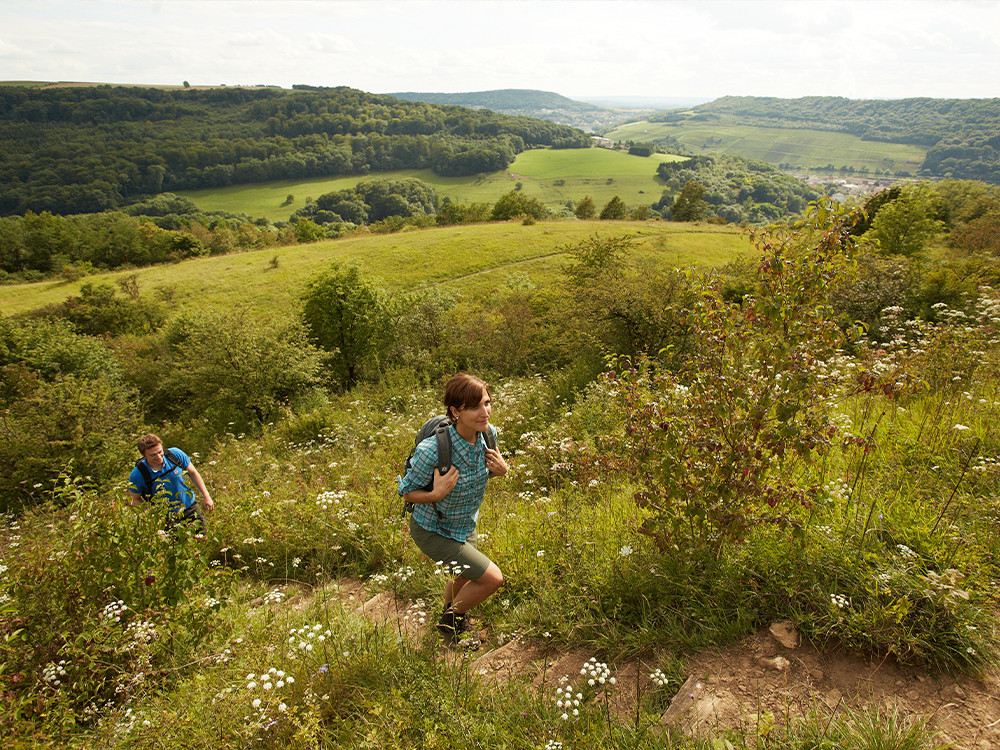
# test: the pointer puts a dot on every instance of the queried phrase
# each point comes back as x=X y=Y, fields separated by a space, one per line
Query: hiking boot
x=455 y=630
x=465 y=635
x=446 y=623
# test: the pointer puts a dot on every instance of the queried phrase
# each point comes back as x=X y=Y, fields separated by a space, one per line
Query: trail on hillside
x=771 y=677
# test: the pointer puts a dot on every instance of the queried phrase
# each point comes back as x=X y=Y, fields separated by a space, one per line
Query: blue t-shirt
x=168 y=482
x=456 y=514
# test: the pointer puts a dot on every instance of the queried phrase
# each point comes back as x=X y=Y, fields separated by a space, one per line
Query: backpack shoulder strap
x=443 y=434
x=147 y=478
x=174 y=459
x=491 y=437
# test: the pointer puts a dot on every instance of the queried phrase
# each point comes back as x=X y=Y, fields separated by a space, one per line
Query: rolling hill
x=542 y=105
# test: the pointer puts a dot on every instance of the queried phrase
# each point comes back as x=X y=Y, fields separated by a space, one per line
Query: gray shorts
x=194 y=515
x=451 y=552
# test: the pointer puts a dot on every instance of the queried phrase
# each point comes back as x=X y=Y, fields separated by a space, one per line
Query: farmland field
x=801 y=148
x=552 y=176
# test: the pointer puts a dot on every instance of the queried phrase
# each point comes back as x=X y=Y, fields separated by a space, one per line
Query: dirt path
x=770 y=674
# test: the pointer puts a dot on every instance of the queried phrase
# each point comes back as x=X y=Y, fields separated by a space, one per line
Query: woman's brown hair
x=464 y=391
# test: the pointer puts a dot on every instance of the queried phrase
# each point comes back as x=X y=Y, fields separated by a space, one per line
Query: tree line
x=164 y=229
x=91 y=149
x=962 y=135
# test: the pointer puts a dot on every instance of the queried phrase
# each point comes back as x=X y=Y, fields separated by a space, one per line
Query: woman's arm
x=495 y=463
x=443 y=485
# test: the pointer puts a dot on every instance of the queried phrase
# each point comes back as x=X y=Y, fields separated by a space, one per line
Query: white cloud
x=331 y=44
x=11 y=51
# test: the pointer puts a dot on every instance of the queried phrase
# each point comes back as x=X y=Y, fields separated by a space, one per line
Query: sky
x=861 y=49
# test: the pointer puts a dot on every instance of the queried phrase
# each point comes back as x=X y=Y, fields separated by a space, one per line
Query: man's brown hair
x=146 y=442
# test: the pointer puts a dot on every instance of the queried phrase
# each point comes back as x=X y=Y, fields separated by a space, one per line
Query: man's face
x=154 y=455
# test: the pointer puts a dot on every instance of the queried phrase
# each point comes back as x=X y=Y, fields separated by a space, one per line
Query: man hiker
x=159 y=475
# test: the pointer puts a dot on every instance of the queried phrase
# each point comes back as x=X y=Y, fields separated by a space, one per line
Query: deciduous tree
x=614 y=210
x=906 y=225
x=585 y=209
x=349 y=316
x=689 y=205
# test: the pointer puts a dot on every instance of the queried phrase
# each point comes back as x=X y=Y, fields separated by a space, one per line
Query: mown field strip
x=472 y=259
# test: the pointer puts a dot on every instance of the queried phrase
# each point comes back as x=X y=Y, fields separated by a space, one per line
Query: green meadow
x=762 y=467
x=553 y=176
x=803 y=149
x=473 y=259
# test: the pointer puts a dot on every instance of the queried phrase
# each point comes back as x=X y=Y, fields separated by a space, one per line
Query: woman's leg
x=473 y=593
x=451 y=590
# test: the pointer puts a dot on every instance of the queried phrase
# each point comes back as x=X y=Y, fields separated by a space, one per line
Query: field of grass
x=552 y=176
x=471 y=259
x=803 y=149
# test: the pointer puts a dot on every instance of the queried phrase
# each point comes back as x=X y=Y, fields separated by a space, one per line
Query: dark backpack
x=168 y=457
x=438 y=426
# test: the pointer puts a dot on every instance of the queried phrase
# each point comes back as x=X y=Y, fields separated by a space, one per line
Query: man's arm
x=136 y=499
x=200 y=484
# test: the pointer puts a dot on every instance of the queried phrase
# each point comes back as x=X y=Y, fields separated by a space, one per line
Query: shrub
x=516 y=203
x=74 y=424
x=234 y=363
x=50 y=348
x=99 y=310
x=708 y=443
x=99 y=595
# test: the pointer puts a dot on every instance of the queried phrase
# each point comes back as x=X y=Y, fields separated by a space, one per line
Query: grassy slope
x=802 y=148
x=596 y=172
x=472 y=259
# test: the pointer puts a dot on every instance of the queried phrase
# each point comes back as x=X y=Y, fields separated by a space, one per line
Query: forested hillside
x=83 y=150
x=963 y=134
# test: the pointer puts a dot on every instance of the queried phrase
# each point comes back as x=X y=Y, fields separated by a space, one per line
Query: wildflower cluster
x=114 y=611
x=597 y=673
x=839 y=601
x=837 y=489
x=658 y=677
x=330 y=498
x=54 y=673
x=416 y=613
x=451 y=569
x=273 y=596
x=141 y=632
x=302 y=639
x=263 y=693
x=568 y=701
x=404 y=573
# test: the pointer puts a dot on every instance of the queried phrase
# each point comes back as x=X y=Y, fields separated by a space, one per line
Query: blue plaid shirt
x=454 y=516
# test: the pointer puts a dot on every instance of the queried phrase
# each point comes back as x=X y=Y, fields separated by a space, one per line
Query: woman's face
x=475 y=418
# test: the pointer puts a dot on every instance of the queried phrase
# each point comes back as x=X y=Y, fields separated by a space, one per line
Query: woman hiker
x=443 y=523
